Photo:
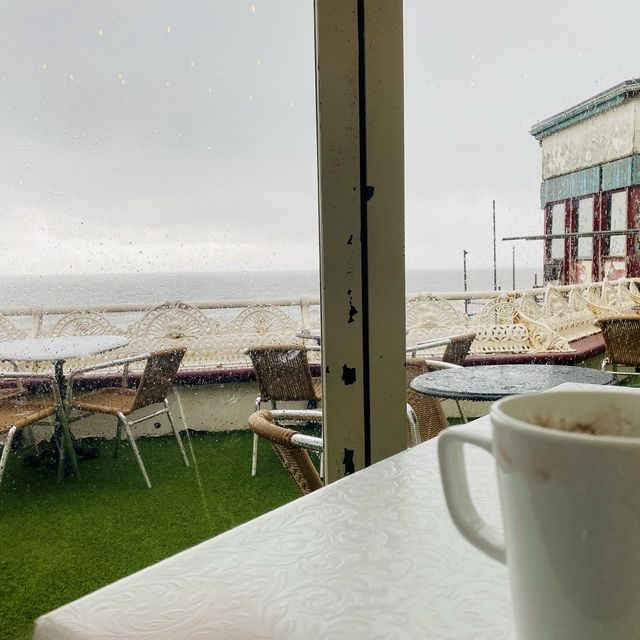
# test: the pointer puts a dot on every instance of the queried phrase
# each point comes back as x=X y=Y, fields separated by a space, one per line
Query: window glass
x=585 y=224
x=159 y=183
x=618 y=220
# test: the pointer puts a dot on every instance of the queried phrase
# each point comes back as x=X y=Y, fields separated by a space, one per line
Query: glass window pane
x=618 y=244
x=585 y=224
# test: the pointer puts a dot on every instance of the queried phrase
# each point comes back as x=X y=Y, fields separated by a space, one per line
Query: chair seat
x=22 y=411
x=9 y=392
x=108 y=400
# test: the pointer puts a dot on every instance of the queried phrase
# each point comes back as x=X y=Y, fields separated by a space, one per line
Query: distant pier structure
x=590 y=191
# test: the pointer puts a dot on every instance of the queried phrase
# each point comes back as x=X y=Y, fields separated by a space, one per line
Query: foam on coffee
x=611 y=422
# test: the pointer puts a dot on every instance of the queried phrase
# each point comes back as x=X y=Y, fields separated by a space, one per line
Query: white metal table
x=57 y=350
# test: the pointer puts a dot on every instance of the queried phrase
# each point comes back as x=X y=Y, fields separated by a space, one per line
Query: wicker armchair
x=155 y=382
x=289 y=445
x=22 y=410
x=425 y=417
x=621 y=335
x=283 y=374
x=458 y=348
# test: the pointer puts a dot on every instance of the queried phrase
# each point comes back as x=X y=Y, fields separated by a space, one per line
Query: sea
x=27 y=291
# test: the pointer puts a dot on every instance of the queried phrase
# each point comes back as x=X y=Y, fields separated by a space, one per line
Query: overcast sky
x=180 y=135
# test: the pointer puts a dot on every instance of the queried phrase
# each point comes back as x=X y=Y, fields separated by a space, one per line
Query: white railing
x=216 y=332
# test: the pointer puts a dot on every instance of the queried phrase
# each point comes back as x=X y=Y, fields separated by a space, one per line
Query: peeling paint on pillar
x=352 y=310
x=348 y=375
x=347 y=461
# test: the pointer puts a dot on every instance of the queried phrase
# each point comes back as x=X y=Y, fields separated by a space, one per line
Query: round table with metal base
x=492 y=382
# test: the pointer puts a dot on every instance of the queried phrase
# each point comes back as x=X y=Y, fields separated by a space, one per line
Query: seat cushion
x=107 y=400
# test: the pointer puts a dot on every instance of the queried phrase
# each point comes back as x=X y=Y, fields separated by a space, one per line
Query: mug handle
x=456 y=487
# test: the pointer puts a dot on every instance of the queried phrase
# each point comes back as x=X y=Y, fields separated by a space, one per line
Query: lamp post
x=464 y=275
x=495 y=269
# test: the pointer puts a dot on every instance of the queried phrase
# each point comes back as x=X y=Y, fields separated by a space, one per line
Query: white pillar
x=361 y=187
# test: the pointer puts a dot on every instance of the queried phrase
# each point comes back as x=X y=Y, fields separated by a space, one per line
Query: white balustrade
x=217 y=332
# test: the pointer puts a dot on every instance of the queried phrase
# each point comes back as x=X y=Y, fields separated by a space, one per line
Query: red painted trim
x=633 y=242
x=547 y=230
x=598 y=242
x=567 y=263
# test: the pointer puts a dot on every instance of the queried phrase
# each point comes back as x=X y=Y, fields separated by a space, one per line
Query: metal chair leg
x=254 y=455
x=5 y=450
x=134 y=447
x=116 y=449
x=32 y=437
x=176 y=433
x=254 y=447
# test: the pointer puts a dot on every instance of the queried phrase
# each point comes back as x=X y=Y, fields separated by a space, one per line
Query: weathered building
x=590 y=188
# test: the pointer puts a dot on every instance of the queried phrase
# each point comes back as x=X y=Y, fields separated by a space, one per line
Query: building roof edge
x=586 y=109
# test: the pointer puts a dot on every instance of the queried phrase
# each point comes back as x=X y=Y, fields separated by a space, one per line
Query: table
x=56 y=350
x=374 y=556
x=492 y=382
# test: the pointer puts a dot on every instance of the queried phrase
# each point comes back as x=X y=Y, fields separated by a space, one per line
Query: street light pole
x=464 y=275
x=495 y=270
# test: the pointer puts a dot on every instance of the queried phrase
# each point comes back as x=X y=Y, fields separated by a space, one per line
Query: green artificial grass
x=61 y=541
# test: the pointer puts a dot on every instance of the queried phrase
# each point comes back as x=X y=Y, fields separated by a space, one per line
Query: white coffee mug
x=570 y=506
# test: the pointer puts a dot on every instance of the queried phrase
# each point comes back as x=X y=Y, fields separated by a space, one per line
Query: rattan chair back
x=295 y=460
x=283 y=373
x=428 y=410
x=458 y=348
x=157 y=377
x=621 y=335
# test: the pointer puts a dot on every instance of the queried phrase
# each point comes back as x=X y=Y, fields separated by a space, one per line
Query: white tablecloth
x=374 y=555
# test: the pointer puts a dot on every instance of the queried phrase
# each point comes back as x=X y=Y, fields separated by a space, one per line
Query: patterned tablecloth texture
x=374 y=555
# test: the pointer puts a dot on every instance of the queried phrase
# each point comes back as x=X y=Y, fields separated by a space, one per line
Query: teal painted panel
x=635 y=170
x=572 y=185
x=617 y=174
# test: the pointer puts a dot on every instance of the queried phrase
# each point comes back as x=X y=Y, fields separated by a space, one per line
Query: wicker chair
x=425 y=417
x=22 y=410
x=289 y=445
x=283 y=374
x=155 y=382
x=621 y=335
x=458 y=348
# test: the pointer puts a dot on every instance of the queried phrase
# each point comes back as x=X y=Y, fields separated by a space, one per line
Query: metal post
x=513 y=267
x=495 y=271
x=464 y=275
